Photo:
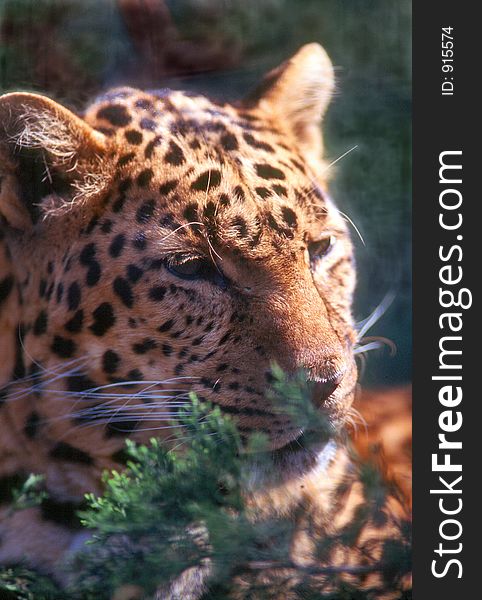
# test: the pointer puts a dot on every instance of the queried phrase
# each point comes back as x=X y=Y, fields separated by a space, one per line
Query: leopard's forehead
x=230 y=172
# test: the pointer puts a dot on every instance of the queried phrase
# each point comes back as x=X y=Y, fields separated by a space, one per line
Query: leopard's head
x=164 y=243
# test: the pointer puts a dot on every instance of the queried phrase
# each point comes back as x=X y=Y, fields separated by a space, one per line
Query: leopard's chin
x=308 y=449
x=303 y=455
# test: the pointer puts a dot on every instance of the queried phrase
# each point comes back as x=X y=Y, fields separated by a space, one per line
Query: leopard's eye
x=191 y=267
x=321 y=248
x=195 y=267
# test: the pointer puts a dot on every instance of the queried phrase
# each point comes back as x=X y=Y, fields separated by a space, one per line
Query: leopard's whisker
x=378 y=342
x=88 y=396
x=17 y=395
x=362 y=360
x=143 y=382
x=352 y=223
x=324 y=209
x=108 y=412
x=53 y=370
x=92 y=393
x=338 y=159
x=98 y=423
x=183 y=226
x=355 y=418
x=367 y=347
x=366 y=324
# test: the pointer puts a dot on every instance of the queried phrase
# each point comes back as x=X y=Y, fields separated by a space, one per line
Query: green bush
x=171 y=510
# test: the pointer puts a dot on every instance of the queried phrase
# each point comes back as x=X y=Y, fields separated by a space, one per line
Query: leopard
x=165 y=241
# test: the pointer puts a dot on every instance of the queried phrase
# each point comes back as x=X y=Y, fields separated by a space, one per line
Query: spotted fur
x=163 y=243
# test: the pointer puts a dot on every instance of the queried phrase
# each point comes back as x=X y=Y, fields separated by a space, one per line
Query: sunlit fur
x=104 y=340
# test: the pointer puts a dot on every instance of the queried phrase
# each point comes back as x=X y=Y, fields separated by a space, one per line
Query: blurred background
x=73 y=49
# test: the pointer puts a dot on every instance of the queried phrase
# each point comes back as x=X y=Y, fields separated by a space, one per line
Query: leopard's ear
x=49 y=157
x=297 y=94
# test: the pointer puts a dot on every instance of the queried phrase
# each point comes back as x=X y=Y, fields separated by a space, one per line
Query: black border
x=445 y=123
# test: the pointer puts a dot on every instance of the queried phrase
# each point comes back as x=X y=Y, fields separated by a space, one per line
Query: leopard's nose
x=324 y=387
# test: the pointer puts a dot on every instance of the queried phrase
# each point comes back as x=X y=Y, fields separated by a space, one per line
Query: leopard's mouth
x=311 y=446
x=298 y=444
x=305 y=454
x=309 y=442
x=301 y=454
